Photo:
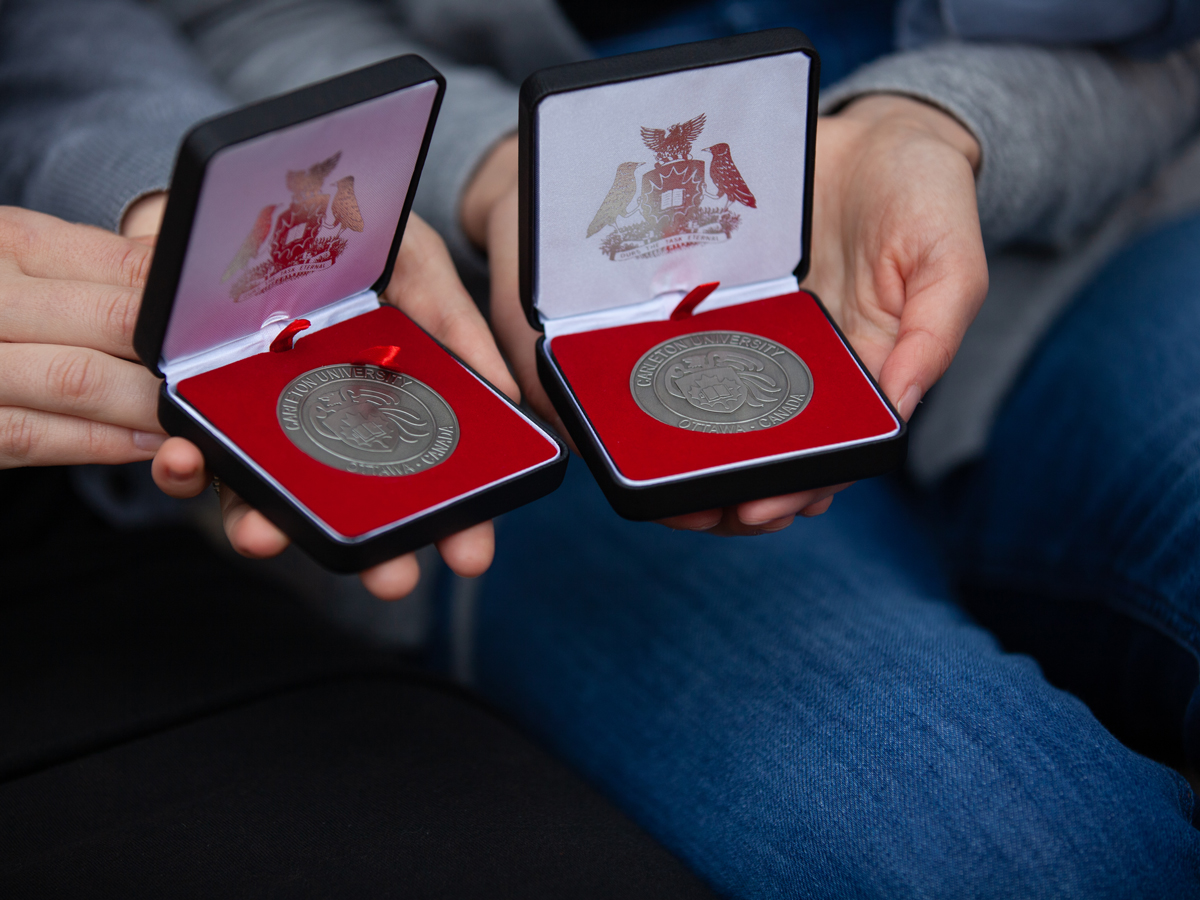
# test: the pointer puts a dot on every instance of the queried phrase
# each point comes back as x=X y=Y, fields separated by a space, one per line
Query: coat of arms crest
x=302 y=241
x=720 y=382
x=671 y=213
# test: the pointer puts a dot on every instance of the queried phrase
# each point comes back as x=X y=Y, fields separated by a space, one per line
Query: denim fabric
x=847 y=34
x=815 y=713
x=1088 y=499
x=810 y=714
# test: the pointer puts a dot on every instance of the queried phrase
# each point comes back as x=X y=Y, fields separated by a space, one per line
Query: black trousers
x=171 y=727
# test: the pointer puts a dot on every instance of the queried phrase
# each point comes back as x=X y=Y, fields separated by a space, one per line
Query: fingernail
x=908 y=403
x=706 y=526
x=145 y=440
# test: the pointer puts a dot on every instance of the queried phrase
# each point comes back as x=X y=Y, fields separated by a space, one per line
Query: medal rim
x=633 y=387
x=334 y=460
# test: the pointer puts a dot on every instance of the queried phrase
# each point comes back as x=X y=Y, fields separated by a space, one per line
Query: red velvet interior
x=494 y=441
x=844 y=406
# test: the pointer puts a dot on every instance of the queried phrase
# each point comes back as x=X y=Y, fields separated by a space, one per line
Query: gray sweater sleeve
x=94 y=98
x=256 y=48
x=1065 y=134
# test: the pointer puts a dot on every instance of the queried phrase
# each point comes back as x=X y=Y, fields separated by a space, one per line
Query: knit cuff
x=936 y=78
x=94 y=173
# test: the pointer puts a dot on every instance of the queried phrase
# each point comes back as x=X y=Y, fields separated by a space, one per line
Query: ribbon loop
x=694 y=298
x=284 y=341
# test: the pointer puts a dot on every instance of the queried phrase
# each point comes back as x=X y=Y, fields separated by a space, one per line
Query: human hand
x=897 y=253
x=897 y=257
x=426 y=287
x=489 y=216
x=71 y=391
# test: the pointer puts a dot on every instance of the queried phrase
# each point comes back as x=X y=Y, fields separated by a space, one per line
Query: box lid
x=286 y=206
x=659 y=171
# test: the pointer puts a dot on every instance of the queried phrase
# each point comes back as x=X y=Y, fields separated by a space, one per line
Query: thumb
x=938 y=308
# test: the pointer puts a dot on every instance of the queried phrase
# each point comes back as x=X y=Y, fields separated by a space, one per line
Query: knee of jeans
x=1089 y=492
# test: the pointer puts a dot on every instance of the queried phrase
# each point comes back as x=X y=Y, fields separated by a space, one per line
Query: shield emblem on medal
x=369 y=420
x=717 y=390
x=722 y=382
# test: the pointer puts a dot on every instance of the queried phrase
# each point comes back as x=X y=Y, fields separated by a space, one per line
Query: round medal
x=722 y=382
x=367 y=420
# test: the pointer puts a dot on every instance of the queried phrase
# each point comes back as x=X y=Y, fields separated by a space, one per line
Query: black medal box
x=333 y=413
x=665 y=216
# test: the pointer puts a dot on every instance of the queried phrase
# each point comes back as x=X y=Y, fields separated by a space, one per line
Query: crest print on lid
x=302 y=241
x=295 y=219
x=650 y=186
x=677 y=208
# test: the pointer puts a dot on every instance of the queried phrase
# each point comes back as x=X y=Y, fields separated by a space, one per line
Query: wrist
x=495 y=178
x=895 y=110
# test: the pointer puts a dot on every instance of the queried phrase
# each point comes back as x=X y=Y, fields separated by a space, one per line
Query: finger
x=818 y=508
x=426 y=286
x=469 y=552
x=759 y=512
x=517 y=338
x=697 y=521
x=143 y=218
x=76 y=313
x=30 y=437
x=393 y=579
x=725 y=523
x=938 y=283
x=731 y=526
x=43 y=246
x=178 y=469
x=77 y=381
x=248 y=530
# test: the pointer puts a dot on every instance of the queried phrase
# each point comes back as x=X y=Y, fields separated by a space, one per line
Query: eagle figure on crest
x=674 y=143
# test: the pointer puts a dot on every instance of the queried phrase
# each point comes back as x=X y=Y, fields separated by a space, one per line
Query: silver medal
x=723 y=382
x=367 y=420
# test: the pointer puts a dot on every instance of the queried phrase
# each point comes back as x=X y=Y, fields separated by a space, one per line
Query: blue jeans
x=821 y=713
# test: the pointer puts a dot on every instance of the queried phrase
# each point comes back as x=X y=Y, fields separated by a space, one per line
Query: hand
x=897 y=257
x=897 y=253
x=70 y=392
x=425 y=286
x=489 y=215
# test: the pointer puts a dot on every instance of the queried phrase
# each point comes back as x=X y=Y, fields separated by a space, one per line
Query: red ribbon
x=384 y=356
x=694 y=298
x=283 y=340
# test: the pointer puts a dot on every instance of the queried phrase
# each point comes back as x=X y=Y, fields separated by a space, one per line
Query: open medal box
x=338 y=417
x=665 y=207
